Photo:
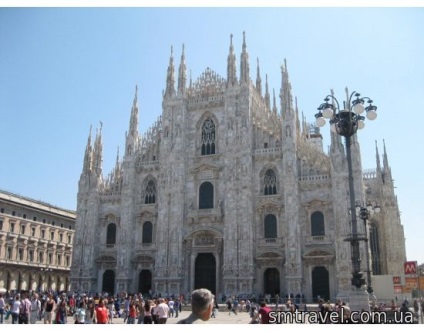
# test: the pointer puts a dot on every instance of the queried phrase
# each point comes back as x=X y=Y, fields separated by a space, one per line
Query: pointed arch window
x=208 y=137
x=270 y=226
x=206 y=196
x=111 y=235
x=269 y=183
x=150 y=194
x=147 y=233
x=317 y=224
x=375 y=250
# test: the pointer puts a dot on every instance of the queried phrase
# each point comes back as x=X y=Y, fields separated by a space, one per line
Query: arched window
x=206 y=196
x=317 y=224
x=375 y=249
x=147 y=232
x=150 y=194
x=111 y=234
x=208 y=137
x=269 y=183
x=270 y=226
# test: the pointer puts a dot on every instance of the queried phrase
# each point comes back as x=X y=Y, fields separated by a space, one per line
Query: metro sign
x=410 y=267
x=396 y=280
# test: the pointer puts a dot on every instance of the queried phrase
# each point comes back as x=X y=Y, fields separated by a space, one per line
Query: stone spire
x=231 y=65
x=182 y=75
x=170 y=78
x=117 y=162
x=88 y=156
x=386 y=168
x=297 y=119
x=267 y=97
x=377 y=158
x=244 y=63
x=274 y=102
x=286 y=98
x=98 y=153
x=258 y=79
x=132 y=135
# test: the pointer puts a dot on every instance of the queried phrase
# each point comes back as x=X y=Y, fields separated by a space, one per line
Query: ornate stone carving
x=204 y=239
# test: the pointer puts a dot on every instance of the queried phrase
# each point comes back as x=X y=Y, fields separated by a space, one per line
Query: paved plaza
x=222 y=317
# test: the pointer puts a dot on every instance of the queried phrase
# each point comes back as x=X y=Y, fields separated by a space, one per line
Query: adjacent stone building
x=35 y=244
x=231 y=191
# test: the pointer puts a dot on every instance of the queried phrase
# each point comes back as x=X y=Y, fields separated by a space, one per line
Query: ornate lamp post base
x=359 y=299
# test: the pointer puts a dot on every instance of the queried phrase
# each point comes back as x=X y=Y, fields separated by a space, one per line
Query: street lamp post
x=346 y=122
x=364 y=214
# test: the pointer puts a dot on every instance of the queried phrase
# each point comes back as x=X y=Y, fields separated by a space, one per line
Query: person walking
x=140 y=310
x=215 y=309
x=15 y=309
x=35 y=309
x=80 y=314
x=24 y=310
x=202 y=304
x=102 y=313
x=262 y=315
x=90 y=313
x=148 y=312
x=49 y=307
x=127 y=302
x=162 y=311
x=171 y=307
x=177 y=307
x=154 y=311
x=111 y=308
x=61 y=310
x=2 y=308
x=132 y=314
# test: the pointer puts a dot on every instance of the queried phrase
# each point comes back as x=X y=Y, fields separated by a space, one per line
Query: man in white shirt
x=171 y=307
x=162 y=311
x=35 y=309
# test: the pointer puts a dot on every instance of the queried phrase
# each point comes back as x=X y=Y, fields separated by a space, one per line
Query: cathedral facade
x=229 y=191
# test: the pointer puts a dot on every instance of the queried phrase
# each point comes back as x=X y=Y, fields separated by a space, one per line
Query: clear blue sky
x=64 y=69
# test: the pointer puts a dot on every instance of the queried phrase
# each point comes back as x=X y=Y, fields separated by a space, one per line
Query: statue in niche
x=288 y=131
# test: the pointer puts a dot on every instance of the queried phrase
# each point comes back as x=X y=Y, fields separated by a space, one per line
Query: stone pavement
x=222 y=318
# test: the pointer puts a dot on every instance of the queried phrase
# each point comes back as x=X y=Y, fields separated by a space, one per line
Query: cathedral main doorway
x=272 y=281
x=108 y=284
x=320 y=284
x=205 y=272
x=144 y=281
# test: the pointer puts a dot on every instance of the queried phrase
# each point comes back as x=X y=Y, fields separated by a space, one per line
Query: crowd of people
x=86 y=308
x=102 y=308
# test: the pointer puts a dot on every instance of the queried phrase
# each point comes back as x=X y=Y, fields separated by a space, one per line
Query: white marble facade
x=231 y=191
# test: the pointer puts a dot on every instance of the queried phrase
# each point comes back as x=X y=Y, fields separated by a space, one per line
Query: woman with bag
x=61 y=311
x=49 y=307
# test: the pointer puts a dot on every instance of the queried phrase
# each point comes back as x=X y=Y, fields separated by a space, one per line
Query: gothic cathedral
x=228 y=192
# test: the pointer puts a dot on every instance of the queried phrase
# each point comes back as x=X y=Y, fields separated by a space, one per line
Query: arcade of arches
x=205 y=272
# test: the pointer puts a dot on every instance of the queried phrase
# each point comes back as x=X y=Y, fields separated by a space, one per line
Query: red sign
x=396 y=280
x=410 y=267
x=397 y=288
